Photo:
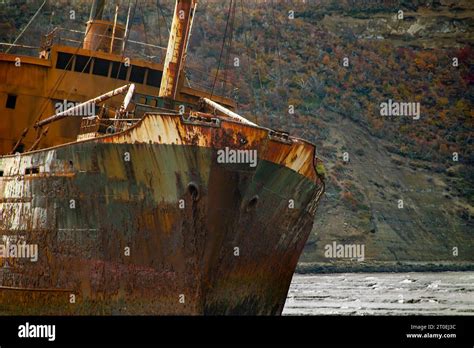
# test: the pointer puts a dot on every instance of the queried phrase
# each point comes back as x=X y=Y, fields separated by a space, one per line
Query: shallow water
x=418 y=293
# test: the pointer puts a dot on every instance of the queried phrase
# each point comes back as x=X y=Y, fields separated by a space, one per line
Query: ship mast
x=177 y=47
x=97 y=10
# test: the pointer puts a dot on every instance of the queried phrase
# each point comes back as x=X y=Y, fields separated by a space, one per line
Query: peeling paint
x=137 y=204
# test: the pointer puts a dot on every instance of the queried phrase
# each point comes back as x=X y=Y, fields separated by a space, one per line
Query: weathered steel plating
x=180 y=213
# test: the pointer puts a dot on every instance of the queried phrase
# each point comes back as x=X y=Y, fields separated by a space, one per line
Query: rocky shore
x=436 y=266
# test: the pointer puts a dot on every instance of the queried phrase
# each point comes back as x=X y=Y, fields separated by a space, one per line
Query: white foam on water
x=350 y=294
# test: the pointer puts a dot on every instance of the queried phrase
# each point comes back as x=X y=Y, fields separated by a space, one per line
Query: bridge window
x=101 y=67
x=119 y=71
x=138 y=74
x=154 y=78
x=64 y=61
x=20 y=148
x=83 y=64
x=11 y=101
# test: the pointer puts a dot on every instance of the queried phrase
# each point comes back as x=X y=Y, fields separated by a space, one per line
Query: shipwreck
x=129 y=207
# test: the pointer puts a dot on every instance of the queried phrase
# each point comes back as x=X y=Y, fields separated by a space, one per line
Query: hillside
x=292 y=56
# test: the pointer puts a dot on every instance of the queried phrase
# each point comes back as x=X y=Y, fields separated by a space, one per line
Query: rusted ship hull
x=147 y=221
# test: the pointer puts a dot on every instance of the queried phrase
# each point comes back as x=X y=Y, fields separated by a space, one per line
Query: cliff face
x=405 y=192
x=401 y=186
